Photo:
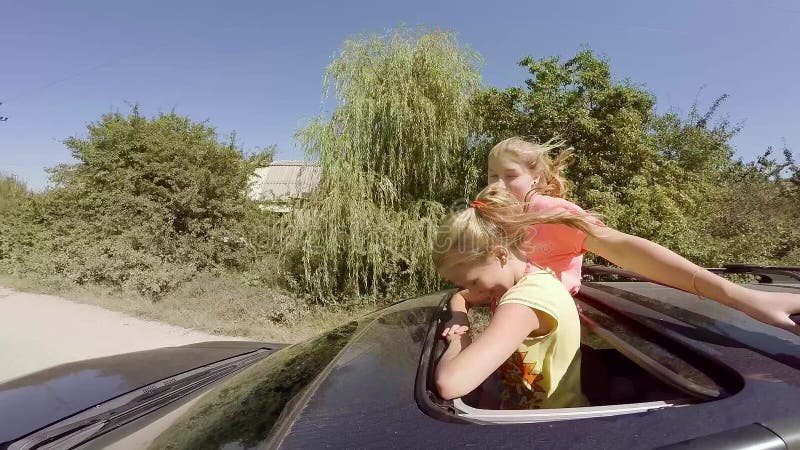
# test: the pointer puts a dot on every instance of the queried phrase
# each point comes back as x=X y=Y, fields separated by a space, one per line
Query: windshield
x=244 y=408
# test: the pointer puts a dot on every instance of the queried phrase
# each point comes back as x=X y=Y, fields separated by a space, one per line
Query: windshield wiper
x=121 y=410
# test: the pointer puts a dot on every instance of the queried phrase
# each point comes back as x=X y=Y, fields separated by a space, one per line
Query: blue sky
x=256 y=67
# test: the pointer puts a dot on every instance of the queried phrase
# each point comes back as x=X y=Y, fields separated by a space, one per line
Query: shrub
x=149 y=203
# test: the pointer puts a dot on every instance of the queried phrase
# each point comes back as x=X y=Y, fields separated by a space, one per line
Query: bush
x=150 y=203
x=14 y=196
x=665 y=178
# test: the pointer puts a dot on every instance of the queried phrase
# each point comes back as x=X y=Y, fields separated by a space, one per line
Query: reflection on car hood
x=33 y=401
x=712 y=322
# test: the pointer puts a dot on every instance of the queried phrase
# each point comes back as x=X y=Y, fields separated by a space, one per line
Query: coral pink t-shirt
x=557 y=247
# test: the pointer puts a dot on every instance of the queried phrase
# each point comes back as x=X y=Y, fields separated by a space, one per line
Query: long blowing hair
x=536 y=156
x=496 y=217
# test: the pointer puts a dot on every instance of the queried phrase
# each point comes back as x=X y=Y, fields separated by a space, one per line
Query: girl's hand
x=774 y=308
x=454 y=331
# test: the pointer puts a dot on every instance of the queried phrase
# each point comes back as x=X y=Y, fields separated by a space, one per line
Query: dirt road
x=39 y=331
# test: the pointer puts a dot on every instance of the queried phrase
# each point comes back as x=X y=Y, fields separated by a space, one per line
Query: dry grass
x=215 y=305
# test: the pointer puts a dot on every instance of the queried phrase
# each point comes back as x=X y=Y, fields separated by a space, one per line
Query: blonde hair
x=496 y=217
x=537 y=156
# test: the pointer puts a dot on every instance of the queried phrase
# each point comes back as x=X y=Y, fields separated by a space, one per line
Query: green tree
x=393 y=152
x=655 y=176
x=756 y=218
x=12 y=190
x=14 y=195
x=149 y=203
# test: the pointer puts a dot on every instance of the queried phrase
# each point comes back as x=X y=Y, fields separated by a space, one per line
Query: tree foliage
x=393 y=153
x=13 y=196
x=149 y=203
x=655 y=176
x=755 y=218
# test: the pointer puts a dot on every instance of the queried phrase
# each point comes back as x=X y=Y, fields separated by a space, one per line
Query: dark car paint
x=367 y=398
x=705 y=320
x=34 y=401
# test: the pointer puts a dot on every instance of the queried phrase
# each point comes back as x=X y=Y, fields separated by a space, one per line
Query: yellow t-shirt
x=544 y=372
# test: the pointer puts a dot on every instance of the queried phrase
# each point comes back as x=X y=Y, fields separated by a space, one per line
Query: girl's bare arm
x=464 y=300
x=664 y=266
x=460 y=304
x=463 y=367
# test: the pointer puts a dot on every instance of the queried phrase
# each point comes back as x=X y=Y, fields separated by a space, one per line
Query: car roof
x=366 y=397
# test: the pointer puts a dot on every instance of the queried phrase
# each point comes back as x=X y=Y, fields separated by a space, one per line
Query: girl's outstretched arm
x=462 y=368
x=666 y=267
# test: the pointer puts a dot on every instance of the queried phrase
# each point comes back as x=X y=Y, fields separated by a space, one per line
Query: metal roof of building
x=284 y=180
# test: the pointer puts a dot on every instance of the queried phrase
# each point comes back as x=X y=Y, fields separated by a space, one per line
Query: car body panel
x=34 y=401
x=708 y=320
x=365 y=396
x=369 y=393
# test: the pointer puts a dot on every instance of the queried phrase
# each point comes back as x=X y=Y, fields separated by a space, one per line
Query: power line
x=112 y=62
x=102 y=65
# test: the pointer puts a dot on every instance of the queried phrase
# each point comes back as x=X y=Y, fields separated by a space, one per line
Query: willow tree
x=393 y=152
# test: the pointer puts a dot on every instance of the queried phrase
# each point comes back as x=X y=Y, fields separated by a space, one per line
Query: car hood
x=34 y=401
